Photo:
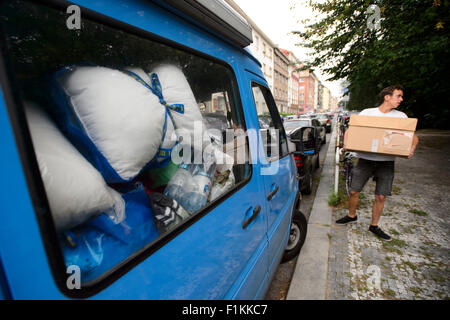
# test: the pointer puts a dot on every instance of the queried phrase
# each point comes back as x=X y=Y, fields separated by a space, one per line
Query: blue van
x=92 y=95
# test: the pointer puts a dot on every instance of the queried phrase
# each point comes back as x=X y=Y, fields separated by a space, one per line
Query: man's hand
x=413 y=147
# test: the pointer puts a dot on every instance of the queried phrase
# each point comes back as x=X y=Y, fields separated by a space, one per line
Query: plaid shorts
x=382 y=171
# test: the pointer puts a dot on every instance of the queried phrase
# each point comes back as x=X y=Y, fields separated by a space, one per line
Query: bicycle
x=342 y=126
x=350 y=160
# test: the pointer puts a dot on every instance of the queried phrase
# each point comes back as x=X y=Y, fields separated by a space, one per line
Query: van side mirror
x=305 y=139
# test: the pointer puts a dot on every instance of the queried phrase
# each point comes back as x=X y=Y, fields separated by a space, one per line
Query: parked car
x=218 y=122
x=92 y=122
x=306 y=154
x=325 y=121
x=308 y=122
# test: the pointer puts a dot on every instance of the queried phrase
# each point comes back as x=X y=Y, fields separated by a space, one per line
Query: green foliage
x=411 y=47
x=339 y=199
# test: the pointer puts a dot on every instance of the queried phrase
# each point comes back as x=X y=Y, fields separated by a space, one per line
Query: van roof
x=218 y=16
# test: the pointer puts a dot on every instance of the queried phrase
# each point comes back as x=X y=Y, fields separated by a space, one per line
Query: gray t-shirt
x=376 y=112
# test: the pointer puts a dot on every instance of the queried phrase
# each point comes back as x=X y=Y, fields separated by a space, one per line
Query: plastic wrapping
x=100 y=244
x=222 y=183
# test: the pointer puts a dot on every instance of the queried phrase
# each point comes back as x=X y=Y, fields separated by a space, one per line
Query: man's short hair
x=389 y=91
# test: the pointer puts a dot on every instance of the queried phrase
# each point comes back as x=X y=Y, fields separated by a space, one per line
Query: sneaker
x=347 y=219
x=379 y=233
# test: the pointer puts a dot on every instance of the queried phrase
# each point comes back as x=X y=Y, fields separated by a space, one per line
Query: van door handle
x=248 y=221
x=272 y=193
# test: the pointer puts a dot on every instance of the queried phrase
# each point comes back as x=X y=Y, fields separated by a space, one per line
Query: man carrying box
x=380 y=166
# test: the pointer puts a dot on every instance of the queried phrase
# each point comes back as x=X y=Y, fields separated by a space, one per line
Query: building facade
x=262 y=47
x=281 y=80
x=326 y=105
x=307 y=91
x=293 y=83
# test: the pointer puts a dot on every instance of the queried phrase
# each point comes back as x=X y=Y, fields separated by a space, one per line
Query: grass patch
x=388 y=293
x=396 y=190
x=392 y=249
x=394 y=232
x=418 y=212
x=415 y=290
x=394 y=245
x=438 y=278
x=409 y=229
x=411 y=265
x=318 y=178
x=339 y=199
x=397 y=242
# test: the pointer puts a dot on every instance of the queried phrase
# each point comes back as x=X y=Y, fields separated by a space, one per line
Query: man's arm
x=414 y=146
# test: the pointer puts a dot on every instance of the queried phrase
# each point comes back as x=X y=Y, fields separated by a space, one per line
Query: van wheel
x=318 y=162
x=297 y=236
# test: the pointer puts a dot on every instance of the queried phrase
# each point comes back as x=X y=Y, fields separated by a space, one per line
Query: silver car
x=290 y=125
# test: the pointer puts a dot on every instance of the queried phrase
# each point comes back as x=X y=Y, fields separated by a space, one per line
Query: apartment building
x=326 y=99
x=293 y=83
x=307 y=91
x=281 y=80
x=262 y=47
x=334 y=104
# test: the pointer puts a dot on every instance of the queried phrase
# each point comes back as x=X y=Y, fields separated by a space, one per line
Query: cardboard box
x=384 y=135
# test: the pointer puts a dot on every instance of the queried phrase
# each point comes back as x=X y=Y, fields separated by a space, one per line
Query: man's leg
x=385 y=178
x=353 y=203
x=360 y=175
x=377 y=208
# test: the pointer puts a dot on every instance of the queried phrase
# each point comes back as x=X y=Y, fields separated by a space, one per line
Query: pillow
x=175 y=90
x=75 y=190
x=169 y=137
x=115 y=121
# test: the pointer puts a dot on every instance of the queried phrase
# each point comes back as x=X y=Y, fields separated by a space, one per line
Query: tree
x=374 y=44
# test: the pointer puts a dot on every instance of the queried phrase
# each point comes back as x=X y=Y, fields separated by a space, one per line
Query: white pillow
x=75 y=189
x=123 y=118
x=176 y=90
x=170 y=138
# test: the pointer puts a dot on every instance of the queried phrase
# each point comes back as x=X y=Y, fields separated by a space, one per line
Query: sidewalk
x=348 y=262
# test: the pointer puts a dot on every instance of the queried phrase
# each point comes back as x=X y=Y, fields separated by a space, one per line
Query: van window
x=112 y=116
x=271 y=126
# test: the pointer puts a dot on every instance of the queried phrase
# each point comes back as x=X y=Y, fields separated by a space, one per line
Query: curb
x=309 y=281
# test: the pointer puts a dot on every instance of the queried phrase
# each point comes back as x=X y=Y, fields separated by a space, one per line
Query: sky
x=277 y=18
